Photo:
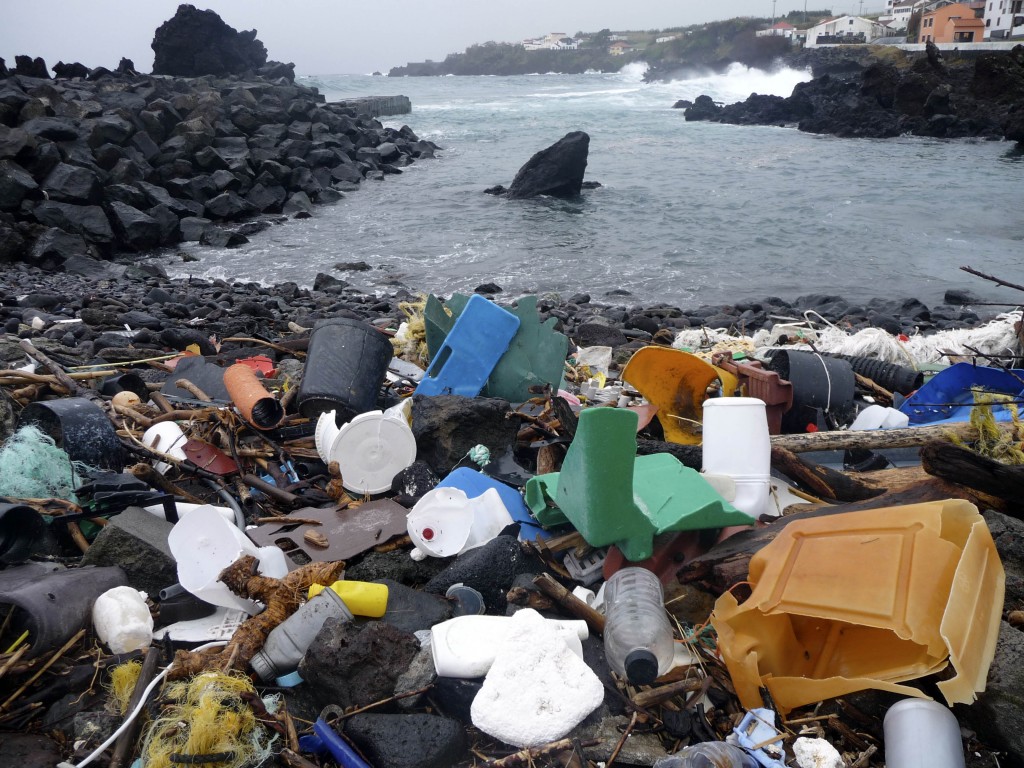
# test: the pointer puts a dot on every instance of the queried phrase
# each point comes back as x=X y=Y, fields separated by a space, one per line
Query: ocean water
x=687 y=212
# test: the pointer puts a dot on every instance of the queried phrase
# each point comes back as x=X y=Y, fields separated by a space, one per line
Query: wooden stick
x=14 y=659
x=271 y=490
x=60 y=652
x=77 y=536
x=149 y=475
x=822 y=481
x=662 y=693
x=622 y=740
x=286 y=520
x=992 y=278
x=126 y=740
x=294 y=760
x=883 y=395
x=570 y=602
x=526 y=756
x=59 y=373
x=909 y=437
x=193 y=390
x=388 y=700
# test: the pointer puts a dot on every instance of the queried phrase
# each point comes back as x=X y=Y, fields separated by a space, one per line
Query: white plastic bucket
x=445 y=522
x=203 y=544
x=370 y=450
x=736 y=440
x=168 y=438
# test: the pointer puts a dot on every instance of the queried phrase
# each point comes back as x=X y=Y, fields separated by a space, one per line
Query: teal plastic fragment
x=540 y=495
x=536 y=356
x=612 y=496
x=438 y=323
x=470 y=351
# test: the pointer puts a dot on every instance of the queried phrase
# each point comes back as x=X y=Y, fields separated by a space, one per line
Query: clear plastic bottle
x=287 y=642
x=710 y=754
x=637 y=635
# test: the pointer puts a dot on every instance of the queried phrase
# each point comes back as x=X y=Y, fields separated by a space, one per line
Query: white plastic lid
x=325 y=434
x=370 y=450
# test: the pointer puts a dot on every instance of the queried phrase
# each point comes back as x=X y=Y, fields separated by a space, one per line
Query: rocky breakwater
x=922 y=95
x=122 y=163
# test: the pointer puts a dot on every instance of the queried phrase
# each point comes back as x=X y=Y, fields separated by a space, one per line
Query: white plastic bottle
x=287 y=642
x=638 y=640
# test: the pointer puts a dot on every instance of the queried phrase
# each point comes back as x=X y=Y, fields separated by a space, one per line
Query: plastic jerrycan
x=287 y=642
x=638 y=639
x=470 y=351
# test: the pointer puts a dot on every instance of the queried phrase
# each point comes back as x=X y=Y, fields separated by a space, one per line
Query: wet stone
x=353 y=666
x=490 y=570
x=408 y=741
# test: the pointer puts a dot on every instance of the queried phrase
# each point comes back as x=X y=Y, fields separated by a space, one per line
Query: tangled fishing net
x=209 y=722
x=996 y=338
x=33 y=467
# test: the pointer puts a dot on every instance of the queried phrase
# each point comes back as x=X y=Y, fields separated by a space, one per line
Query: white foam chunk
x=122 y=619
x=816 y=753
x=537 y=690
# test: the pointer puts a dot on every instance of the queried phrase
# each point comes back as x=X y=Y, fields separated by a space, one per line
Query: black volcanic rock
x=194 y=43
x=924 y=96
x=556 y=171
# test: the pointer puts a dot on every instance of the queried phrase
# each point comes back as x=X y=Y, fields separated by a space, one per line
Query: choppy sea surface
x=687 y=212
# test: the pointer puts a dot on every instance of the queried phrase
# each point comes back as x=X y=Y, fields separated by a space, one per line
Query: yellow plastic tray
x=867 y=600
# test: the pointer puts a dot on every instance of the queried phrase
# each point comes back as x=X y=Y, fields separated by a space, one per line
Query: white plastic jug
x=445 y=522
x=736 y=444
x=466 y=645
x=203 y=544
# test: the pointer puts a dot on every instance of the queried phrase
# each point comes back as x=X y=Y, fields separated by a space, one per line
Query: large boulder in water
x=195 y=43
x=556 y=171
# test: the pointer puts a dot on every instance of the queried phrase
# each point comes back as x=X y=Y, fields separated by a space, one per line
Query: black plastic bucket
x=345 y=365
x=125 y=382
x=80 y=427
x=895 y=378
x=22 y=531
x=821 y=385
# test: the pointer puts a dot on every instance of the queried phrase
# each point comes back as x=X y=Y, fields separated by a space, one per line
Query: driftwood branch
x=571 y=603
x=823 y=482
x=875 y=439
x=992 y=278
x=965 y=467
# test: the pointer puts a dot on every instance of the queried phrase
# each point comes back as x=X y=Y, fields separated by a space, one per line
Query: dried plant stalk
x=282 y=598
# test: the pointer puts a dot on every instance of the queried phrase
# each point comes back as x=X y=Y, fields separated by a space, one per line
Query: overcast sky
x=338 y=37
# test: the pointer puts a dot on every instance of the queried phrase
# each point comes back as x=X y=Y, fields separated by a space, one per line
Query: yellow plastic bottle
x=363 y=598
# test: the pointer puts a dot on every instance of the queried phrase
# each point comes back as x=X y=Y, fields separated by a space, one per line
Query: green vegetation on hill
x=714 y=45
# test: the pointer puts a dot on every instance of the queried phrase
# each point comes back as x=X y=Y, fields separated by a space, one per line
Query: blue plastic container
x=949 y=395
x=474 y=346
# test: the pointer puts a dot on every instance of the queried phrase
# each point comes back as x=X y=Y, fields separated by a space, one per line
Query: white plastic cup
x=203 y=544
x=168 y=438
x=920 y=733
x=736 y=440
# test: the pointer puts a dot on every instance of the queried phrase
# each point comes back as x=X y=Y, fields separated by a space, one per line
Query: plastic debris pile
x=455 y=535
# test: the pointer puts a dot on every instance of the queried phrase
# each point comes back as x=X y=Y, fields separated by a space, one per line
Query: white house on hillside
x=844 y=30
x=779 y=29
x=1004 y=19
x=553 y=41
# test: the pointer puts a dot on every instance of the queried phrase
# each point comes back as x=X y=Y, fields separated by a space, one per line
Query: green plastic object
x=535 y=357
x=612 y=496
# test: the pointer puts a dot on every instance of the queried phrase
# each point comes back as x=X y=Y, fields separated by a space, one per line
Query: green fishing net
x=33 y=467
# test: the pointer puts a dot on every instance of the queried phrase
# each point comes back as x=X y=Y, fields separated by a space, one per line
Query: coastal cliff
x=921 y=95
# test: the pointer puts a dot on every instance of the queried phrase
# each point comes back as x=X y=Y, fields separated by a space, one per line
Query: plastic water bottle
x=288 y=641
x=637 y=635
x=920 y=733
x=710 y=754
